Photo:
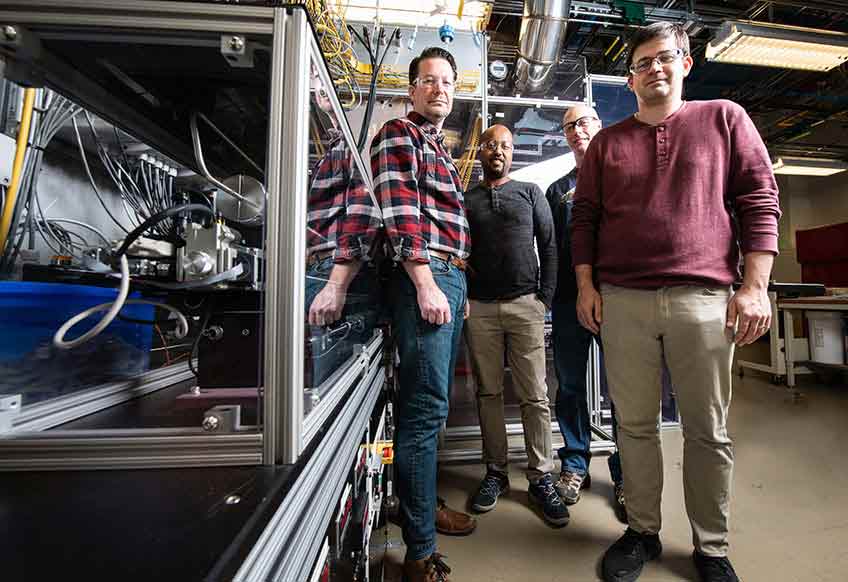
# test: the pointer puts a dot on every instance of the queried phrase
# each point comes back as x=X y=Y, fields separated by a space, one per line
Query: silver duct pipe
x=540 y=43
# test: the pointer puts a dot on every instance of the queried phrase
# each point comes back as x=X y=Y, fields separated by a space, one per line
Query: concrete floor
x=790 y=503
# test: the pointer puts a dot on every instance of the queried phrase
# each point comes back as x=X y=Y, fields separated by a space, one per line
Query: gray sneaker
x=569 y=485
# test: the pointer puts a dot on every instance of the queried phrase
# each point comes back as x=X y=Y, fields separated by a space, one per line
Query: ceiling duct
x=540 y=44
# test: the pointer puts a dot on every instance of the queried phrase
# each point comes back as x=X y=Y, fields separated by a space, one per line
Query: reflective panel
x=135 y=265
x=342 y=240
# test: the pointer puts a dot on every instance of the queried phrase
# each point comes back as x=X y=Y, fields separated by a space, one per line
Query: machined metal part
x=208 y=251
x=237 y=51
x=222 y=418
x=251 y=208
x=201 y=164
x=540 y=43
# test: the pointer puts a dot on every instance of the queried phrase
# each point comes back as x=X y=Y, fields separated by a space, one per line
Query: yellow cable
x=17 y=168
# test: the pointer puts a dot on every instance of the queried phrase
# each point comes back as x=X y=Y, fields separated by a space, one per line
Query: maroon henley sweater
x=653 y=204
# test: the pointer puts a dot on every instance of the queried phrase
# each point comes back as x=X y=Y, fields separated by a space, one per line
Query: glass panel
x=185 y=150
x=613 y=100
x=353 y=78
x=342 y=226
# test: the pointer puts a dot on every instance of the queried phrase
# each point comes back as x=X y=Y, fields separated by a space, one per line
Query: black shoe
x=714 y=569
x=494 y=485
x=544 y=496
x=618 y=505
x=570 y=484
x=624 y=559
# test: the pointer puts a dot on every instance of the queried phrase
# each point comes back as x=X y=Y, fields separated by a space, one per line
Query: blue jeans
x=328 y=349
x=571 y=343
x=427 y=357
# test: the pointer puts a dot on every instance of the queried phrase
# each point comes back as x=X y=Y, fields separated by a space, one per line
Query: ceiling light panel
x=786 y=47
x=809 y=166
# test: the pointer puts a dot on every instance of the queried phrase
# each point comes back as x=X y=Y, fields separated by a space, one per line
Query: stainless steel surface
x=540 y=44
x=201 y=165
x=274 y=221
x=252 y=190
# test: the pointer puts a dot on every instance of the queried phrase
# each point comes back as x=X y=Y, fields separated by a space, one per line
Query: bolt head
x=10 y=32
x=211 y=423
x=236 y=43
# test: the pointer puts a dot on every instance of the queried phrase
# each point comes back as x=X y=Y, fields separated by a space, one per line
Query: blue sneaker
x=544 y=496
x=494 y=485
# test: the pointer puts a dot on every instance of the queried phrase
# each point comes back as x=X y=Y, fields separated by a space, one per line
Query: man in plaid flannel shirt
x=342 y=225
x=419 y=191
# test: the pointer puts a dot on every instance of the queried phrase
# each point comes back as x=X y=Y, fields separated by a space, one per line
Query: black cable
x=137 y=232
x=196 y=342
x=372 y=94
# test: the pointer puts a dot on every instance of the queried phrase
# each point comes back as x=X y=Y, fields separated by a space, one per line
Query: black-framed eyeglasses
x=663 y=58
x=492 y=145
x=584 y=122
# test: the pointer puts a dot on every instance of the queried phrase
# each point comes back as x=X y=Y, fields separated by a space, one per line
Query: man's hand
x=467 y=309
x=590 y=308
x=328 y=304
x=589 y=303
x=751 y=307
x=433 y=304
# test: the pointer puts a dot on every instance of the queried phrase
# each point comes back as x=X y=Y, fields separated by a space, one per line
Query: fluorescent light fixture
x=772 y=45
x=426 y=13
x=809 y=166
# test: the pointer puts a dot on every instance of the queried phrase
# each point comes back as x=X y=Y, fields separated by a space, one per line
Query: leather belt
x=460 y=264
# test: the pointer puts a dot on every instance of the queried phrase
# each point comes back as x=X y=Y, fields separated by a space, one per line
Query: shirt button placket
x=662 y=145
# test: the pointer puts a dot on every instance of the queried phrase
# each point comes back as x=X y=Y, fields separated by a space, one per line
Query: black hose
x=372 y=95
x=137 y=232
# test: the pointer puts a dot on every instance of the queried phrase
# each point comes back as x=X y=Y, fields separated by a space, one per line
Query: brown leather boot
x=429 y=569
x=452 y=522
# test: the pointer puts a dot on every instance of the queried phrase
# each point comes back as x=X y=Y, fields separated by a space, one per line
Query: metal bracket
x=22 y=49
x=10 y=406
x=222 y=419
x=237 y=51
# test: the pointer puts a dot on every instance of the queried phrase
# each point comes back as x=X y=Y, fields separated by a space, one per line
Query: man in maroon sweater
x=665 y=203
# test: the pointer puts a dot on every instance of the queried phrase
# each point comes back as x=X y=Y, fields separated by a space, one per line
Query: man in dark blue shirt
x=510 y=291
x=571 y=341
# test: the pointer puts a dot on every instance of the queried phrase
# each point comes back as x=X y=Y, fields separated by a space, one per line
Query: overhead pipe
x=540 y=44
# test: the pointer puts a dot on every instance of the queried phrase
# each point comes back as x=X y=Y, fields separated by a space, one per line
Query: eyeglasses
x=431 y=83
x=663 y=58
x=582 y=123
x=493 y=146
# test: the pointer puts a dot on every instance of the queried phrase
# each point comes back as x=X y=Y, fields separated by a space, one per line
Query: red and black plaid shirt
x=341 y=214
x=419 y=191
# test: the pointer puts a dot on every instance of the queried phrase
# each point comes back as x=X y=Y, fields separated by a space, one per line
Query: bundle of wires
x=146 y=187
x=375 y=71
x=50 y=113
x=335 y=42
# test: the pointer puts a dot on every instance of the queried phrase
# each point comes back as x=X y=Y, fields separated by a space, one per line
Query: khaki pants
x=519 y=325
x=686 y=325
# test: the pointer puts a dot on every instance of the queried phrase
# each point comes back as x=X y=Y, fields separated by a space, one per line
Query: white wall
x=807 y=202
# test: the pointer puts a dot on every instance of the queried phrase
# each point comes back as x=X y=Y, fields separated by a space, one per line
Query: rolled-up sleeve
x=752 y=187
x=394 y=165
